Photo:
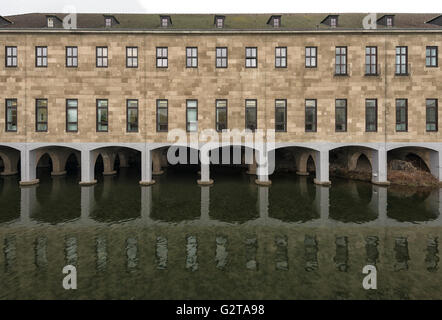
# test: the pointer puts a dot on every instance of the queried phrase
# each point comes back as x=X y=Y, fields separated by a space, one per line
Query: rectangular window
x=162 y=116
x=219 y=22
x=431 y=114
x=251 y=114
x=341 y=61
x=431 y=57
x=401 y=115
x=108 y=22
x=102 y=115
x=162 y=57
x=102 y=57
x=221 y=57
x=401 y=60
x=333 y=22
x=311 y=57
x=371 y=61
x=131 y=57
x=371 y=115
x=341 y=115
x=41 y=115
x=221 y=115
x=310 y=115
x=11 y=115
x=41 y=56
x=280 y=57
x=251 y=57
x=192 y=57
x=11 y=56
x=71 y=57
x=132 y=115
x=281 y=115
x=71 y=115
x=192 y=115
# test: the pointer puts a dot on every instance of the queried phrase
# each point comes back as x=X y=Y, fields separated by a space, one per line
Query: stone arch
x=58 y=155
x=422 y=155
x=355 y=157
x=10 y=160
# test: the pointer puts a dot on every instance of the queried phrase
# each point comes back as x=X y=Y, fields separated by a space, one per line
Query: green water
x=232 y=240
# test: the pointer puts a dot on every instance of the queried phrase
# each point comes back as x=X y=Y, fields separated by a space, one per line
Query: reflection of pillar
x=322 y=167
x=303 y=189
x=28 y=201
x=205 y=170
x=146 y=203
x=379 y=199
x=263 y=202
x=146 y=168
x=107 y=185
x=156 y=162
x=87 y=168
x=87 y=202
x=322 y=202
x=205 y=203
x=28 y=168
x=379 y=162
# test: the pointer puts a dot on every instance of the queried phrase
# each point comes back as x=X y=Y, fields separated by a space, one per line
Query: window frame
x=370 y=64
x=191 y=57
x=310 y=57
x=285 y=115
x=107 y=111
x=281 y=57
x=43 y=57
x=11 y=56
x=221 y=58
x=345 y=108
x=375 y=113
x=251 y=58
x=340 y=55
x=158 y=115
x=128 y=108
x=436 y=113
x=71 y=57
x=256 y=113
x=406 y=115
x=315 y=121
x=67 y=109
x=406 y=73
x=161 y=58
x=133 y=58
x=36 y=115
x=187 y=115
x=216 y=114
x=6 y=114
x=102 y=57
x=436 y=56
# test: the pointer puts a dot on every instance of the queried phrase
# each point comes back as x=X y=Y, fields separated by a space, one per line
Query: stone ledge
x=300 y=173
x=29 y=183
x=205 y=183
x=263 y=183
x=157 y=173
x=60 y=173
x=11 y=173
x=87 y=183
x=147 y=183
x=110 y=173
x=322 y=183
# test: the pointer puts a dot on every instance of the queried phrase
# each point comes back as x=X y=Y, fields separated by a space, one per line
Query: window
x=132 y=57
x=431 y=57
x=281 y=115
x=72 y=57
x=401 y=60
x=162 y=116
x=333 y=22
x=431 y=115
x=161 y=57
x=389 y=21
x=341 y=115
x=221 y=57
x=221 y=115
x=310 y=115
x=102 y=116
x=280 y=57
x=132 y=115
x=164 y=22
x=311 y=57
x=371 y=60
x=11 y=56
x=108 y=22
x=219 y=22
x=41 y=56
x=71 y=115
x=50 y=22
x=401 y=115
x=11 y=115
x=192 y=115
x=371 y=115
x=102 y=57
x=251 y=57
x=41 y=115
x=276 y=22
x=192 y=57
x=341 y=61
x=251 y=114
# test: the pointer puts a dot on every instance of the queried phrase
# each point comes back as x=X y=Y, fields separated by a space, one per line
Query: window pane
x=72 y=115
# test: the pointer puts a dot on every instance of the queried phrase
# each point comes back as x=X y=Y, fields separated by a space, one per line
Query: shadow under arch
x=9 y=199
x=422 y=158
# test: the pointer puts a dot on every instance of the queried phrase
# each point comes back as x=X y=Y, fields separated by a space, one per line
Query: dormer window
x=389 y=21
x=50 y=21
x=333 y=22
x=165 y=21
x=277 y=22
x=108 y=22
x=219 y=22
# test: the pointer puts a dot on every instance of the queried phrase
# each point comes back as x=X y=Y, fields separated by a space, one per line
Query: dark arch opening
x=44 y=166
x=99 y=166
x=72 y=164
x=417 y=162
x=363 y=164
x=311 y=164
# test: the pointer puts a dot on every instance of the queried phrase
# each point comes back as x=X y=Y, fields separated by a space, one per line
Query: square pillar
x=379 y=167
x=146 y=168
x=87 y=168
x=322 y=168
x=28 y=168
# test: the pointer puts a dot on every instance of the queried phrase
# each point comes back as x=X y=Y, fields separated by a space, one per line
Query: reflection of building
x=121 y=82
